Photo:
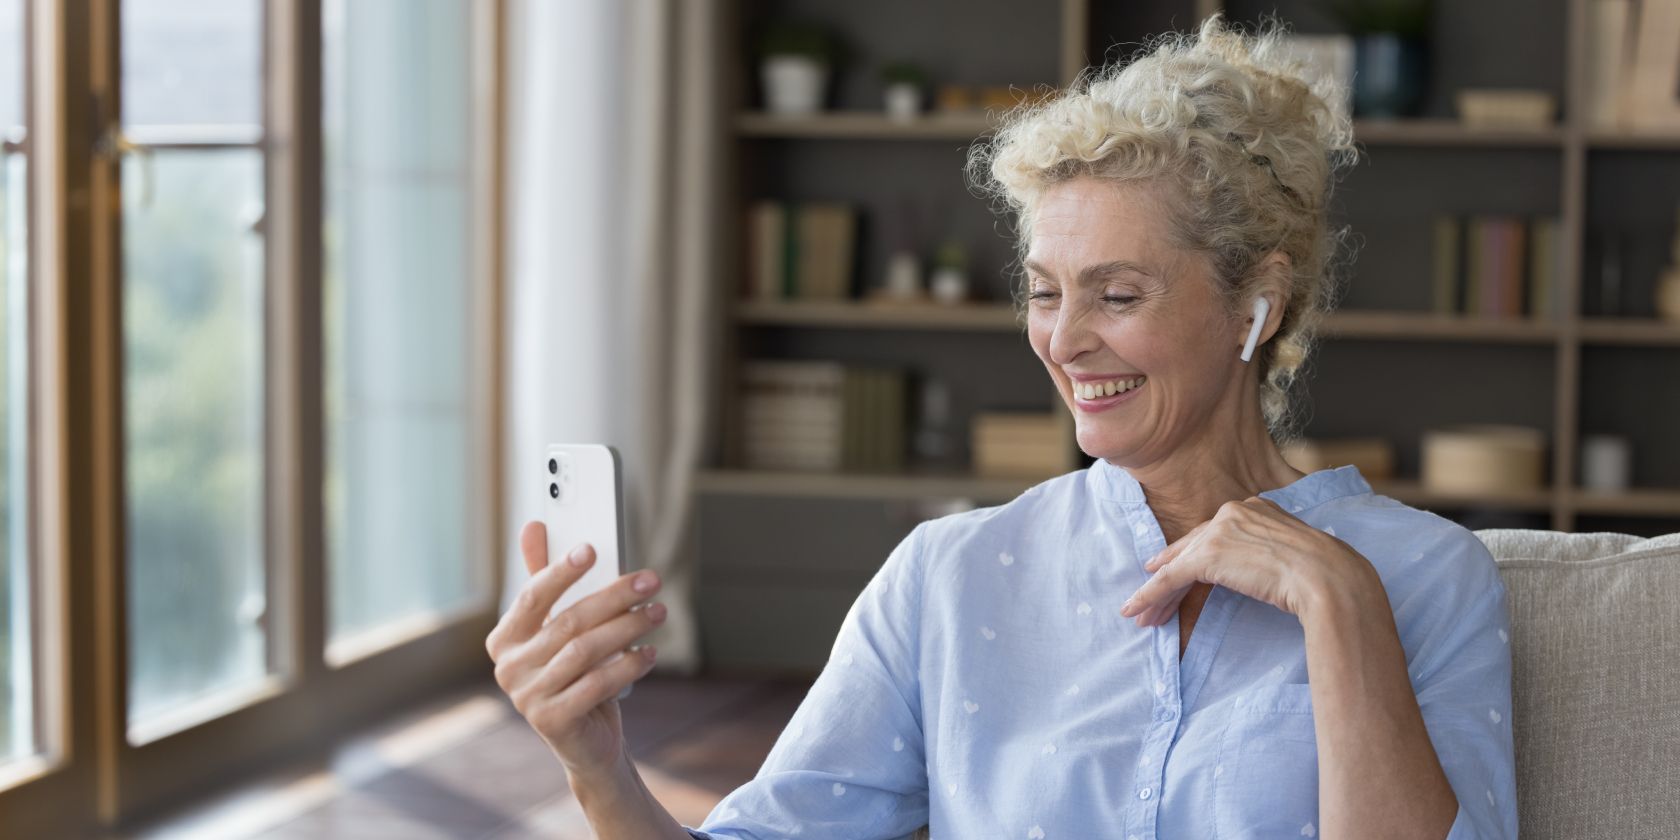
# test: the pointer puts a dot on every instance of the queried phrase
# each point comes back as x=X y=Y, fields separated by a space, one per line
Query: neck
x=1212 y=467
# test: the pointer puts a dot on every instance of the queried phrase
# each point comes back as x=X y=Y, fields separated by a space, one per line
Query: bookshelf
x=1386 y=365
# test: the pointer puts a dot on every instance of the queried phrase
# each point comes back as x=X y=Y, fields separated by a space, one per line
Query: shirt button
x=1143 y=794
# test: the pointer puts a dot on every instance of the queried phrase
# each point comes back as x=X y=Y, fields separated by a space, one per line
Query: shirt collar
x=1117 y=484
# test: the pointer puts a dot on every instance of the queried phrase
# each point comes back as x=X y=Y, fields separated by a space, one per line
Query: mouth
x=1097 y=396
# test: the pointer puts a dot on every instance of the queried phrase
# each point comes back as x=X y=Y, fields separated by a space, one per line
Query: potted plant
x=904 y=83
x=795 y=59
x=1390 y=54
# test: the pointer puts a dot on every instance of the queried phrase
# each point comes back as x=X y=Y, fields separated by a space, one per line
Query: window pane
x=16 y=663
x=193 y=403
x=191 y=62
x=397 y=304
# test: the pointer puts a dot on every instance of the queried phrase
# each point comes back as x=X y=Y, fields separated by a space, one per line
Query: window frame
x=92 y=776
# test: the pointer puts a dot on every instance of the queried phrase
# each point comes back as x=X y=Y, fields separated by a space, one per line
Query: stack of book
x=1497 y=266
x=800 y=250
x=1023 y=444
x=813 y=415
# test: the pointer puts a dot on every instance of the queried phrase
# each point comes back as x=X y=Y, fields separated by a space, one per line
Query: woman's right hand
x=564 y=674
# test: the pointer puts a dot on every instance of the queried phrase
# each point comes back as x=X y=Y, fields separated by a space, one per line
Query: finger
x=537 y=596
x=533 y=544
x=595 y=609
x=601 y=683
x=579 y=655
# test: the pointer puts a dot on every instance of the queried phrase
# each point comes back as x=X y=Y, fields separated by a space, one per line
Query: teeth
x=1093 y=390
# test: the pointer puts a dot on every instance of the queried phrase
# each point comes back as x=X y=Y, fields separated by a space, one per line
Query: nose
x=1070 y=336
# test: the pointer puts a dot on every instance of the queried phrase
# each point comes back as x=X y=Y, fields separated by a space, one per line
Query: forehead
x=1086 y=221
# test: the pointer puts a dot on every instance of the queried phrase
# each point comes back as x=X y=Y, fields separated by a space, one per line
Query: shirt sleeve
x=1462 y=676
x=850 y=764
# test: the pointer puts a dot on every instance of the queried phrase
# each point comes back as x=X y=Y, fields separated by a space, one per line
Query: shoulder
x=1415 y=552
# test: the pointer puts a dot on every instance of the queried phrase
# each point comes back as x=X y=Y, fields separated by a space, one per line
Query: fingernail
x=643 y=582
x=1126 y=608
x=656 y=613
x=578 y=557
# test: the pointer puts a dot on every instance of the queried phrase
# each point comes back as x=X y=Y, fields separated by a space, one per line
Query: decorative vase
x=904 y=101
x=950 y=284
x=1388 y=75
x=793 y=84
x=904 y=276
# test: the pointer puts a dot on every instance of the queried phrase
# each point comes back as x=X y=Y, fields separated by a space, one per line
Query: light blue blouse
x=985 y=684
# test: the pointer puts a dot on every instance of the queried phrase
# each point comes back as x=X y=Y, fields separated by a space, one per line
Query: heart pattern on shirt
x=1049 y=749
x=898 y=745
x=989 y=633
x=1493 y=715
x=1006 y=558
x=1084 y=608
x=1035 y=833
x=970 y=706
x=1308 y=830
x=839 y=789
x=1331 y=531
x=1503 y=636
x=951 y=789
x=1073 y=689
x=1490 y=797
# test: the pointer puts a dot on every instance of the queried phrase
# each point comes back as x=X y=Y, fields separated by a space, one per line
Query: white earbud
x=1261 y=308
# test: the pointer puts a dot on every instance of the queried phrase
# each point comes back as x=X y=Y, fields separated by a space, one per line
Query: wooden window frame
x=90 y=775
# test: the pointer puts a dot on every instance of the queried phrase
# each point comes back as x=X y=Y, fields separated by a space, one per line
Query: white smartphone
x=583 y=502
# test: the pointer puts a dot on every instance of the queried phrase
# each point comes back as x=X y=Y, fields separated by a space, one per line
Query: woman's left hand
x=1256 y=548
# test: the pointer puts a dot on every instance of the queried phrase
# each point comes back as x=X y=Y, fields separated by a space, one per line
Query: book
x=822 y=416
x=1449 y=265
x=1608 y=71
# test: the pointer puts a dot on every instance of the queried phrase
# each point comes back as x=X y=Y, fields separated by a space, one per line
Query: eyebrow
x=1098 y=270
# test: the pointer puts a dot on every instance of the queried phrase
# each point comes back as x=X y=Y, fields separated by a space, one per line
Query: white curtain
x=614 y=122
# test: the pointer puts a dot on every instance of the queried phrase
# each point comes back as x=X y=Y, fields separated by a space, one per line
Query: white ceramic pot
x=904 y=101
x=904 y=276
x=793 y=84
x=950 y=285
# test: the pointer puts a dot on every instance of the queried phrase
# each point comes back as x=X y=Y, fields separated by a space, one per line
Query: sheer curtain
x=614 y=122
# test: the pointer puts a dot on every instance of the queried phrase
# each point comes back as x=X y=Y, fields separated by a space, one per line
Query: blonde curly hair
x=1247 y=153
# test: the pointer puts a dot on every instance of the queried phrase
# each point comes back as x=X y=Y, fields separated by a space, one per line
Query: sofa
x=1595 y=682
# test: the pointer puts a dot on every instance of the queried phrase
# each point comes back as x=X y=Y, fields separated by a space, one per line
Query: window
x=17 y=683
x=193 y=337
x=399 y=251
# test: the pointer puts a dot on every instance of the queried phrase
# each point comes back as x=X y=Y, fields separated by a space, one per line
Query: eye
x=1119 y=298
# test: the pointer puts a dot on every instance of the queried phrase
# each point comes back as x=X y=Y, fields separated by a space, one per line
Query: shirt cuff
x=1461 y=827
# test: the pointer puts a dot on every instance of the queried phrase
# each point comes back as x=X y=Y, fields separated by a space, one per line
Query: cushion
x=1595 y=649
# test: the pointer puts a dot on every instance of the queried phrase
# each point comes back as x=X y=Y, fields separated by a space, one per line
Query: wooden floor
x=470 y=767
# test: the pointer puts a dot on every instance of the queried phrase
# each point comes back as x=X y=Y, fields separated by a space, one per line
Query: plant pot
x=793 y=84
x=1388 y=75
x=904 y=101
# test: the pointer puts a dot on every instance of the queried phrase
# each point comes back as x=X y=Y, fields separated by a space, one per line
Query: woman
x=1125 y=651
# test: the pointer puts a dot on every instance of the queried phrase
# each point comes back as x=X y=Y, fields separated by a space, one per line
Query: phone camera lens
x=554 y=491
x=553 y=466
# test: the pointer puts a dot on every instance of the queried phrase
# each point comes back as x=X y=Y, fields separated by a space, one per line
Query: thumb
x=533 y=544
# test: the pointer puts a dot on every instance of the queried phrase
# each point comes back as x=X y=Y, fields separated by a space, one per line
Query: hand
x=1253 y=547
x=564 y=674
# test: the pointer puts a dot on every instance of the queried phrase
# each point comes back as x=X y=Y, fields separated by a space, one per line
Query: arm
x=1427 y=754
x=1378 y=775
x=618 y=805
x=851 y=763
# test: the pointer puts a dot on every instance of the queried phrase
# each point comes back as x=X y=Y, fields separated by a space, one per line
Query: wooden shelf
x=1647 y=141
x=1638 y=501
x=873 y=125
x=1413 y=493
x=909 y=485
x=1635 y=331
x=1422 y=326
x=853 y=314
x=864 y=125
x=1451 y=133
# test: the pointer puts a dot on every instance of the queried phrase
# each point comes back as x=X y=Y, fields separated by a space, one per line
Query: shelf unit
x=1578 y=373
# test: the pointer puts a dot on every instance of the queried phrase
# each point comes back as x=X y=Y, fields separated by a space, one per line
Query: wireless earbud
x=1261 y=308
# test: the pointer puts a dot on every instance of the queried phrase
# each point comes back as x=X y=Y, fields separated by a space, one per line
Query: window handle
x=113 y=145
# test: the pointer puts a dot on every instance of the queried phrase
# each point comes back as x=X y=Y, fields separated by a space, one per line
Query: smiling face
x=1113 y=300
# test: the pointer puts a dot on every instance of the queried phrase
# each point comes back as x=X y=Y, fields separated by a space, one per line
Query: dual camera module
x=553 y=488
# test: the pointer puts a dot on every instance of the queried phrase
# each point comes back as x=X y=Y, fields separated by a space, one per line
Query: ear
x=1272 y=282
